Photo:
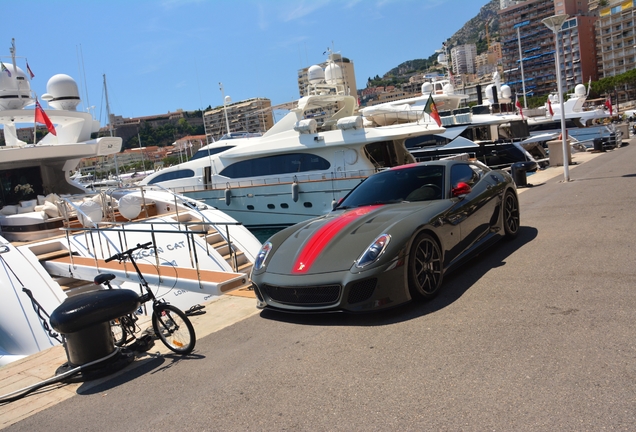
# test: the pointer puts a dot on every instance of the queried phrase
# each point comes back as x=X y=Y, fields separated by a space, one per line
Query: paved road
x=536 y=335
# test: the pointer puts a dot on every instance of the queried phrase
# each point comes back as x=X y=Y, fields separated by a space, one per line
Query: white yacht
x=412 y=109
x=55 y=235
x=576 y=113
x=298 y=168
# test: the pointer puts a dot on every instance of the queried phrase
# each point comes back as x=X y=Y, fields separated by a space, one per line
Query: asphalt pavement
x=536 y=334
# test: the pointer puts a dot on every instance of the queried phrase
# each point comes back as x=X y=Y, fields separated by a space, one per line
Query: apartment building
x=463 y=58
x=252 y=115
x=615 y=38
x=521 y=24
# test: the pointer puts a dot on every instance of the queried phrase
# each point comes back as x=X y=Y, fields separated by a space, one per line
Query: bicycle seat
x=103 y=277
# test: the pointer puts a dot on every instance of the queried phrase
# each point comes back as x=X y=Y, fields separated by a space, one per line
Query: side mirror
x=461 y=189
x=335 y=203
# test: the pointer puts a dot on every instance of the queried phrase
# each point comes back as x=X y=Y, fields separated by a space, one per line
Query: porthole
x=271 y=206
x=250 y=207
x=308 y=205
x=284 y=205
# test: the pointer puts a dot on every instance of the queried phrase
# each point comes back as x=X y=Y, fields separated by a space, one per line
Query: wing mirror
x=461 y=189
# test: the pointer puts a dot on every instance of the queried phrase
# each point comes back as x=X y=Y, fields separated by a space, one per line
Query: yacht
x=55 y=235
x=412 y=109
x=297 y=169
x=576 y=113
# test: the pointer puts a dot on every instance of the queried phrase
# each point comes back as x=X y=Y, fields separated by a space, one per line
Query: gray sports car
x=390 y=240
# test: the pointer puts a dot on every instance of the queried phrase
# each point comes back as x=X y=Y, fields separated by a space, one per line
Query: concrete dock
x=220 y=313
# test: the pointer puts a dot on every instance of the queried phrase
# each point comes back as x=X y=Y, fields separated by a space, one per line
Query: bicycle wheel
x=118 y=331
x=174 y=328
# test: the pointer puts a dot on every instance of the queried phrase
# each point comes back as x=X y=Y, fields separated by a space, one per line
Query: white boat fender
x=295 y=189
x=228 y=195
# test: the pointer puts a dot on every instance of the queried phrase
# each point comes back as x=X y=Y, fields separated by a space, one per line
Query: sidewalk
x=220 y=313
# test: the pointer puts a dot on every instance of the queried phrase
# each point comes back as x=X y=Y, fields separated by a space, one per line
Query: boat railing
x=291 y=178
x=77 y=220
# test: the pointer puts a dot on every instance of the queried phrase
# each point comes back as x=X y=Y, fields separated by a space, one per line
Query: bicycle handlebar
x=122 y=255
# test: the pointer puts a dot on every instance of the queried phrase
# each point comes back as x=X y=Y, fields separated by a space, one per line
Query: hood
x=333 y=242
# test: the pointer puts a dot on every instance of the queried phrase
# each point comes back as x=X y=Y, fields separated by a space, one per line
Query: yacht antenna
x=12 y=49
x=83 y=71
x=225 y=99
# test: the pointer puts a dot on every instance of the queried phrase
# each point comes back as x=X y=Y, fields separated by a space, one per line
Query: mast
x=110 y=124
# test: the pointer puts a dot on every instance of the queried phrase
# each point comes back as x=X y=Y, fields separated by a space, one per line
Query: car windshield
x=409 y=183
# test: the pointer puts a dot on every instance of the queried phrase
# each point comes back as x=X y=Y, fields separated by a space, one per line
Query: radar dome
x=448 y=88
x=333 y=74
x=488 y=91
x=427 y=87
x=315 y=74
x=579 y=90
x=441 y=58
x=62 y=93
x=506 y=93
x=15 y=89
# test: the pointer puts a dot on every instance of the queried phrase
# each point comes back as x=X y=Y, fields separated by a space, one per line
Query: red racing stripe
x=317 y=243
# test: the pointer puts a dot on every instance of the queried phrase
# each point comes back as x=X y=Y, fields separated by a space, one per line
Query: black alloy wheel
x=425 y=267
x=511 y=215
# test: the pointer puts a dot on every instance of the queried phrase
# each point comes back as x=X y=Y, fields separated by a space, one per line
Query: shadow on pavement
x=150 y=365
x=454 y=286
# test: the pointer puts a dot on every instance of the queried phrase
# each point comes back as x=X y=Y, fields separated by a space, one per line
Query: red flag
x=31 y=74
x=518 y=105
x=431 y=110
x=41 y=117
x=550 y=107
x=608 y=105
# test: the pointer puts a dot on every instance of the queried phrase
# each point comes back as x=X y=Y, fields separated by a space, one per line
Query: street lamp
x=523 y=81
x=554 y=23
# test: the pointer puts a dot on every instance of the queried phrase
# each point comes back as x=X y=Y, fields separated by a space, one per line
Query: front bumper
x=370 y=290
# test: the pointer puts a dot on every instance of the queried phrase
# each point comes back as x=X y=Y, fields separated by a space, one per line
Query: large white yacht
x=408 y=110
x=298 y=168
x=55 y=235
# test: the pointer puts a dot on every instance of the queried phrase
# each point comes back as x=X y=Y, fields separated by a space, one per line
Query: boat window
x=209 y=152
x=381 y=154
x=172 y=175
x=279 y=164
x=20 y=184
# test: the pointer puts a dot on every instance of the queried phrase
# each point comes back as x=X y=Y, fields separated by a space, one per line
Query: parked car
x=390 y=240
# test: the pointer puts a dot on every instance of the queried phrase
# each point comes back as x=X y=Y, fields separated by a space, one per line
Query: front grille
x=306 y=295
x=361 y=291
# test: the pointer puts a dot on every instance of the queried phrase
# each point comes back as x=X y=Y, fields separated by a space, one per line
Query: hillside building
x=616 y=50
x=252 y=115
x=521 y=24
x=463 y=58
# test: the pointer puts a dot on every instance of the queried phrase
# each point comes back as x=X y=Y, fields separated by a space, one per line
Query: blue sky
x=162 y=55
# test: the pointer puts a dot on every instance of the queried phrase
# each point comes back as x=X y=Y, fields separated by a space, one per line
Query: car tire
x=425 y=267
x=511 y=215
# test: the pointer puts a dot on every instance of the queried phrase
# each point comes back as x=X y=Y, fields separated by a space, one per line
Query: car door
x=476 y=211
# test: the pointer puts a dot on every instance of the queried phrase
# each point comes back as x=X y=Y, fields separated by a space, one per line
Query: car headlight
x=261 y=257
x=374 y=251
